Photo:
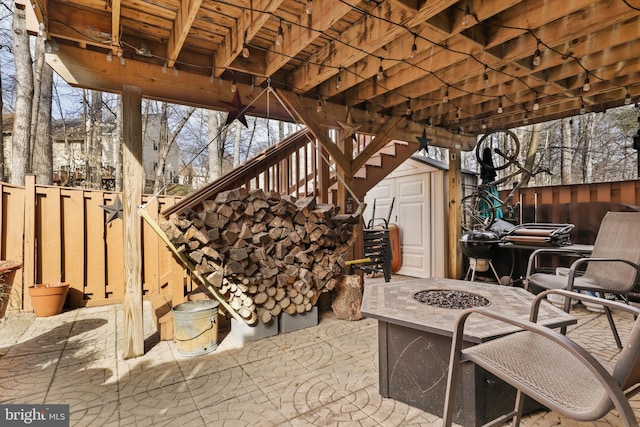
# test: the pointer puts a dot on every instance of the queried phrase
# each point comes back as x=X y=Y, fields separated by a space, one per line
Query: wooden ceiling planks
x=335 y=53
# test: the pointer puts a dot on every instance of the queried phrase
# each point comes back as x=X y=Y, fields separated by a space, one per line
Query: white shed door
x=411 y=213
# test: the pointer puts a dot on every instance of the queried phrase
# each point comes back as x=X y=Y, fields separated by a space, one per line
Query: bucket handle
x=212 y=321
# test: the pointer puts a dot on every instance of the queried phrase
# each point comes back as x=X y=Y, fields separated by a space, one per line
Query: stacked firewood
x=265 y=253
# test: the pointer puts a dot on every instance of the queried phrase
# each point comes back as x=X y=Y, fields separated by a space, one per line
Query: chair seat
x=552 y=281
x=537 y=363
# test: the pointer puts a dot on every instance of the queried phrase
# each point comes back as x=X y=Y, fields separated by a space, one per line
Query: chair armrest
x=579 y=262
x=554 y=251
x=581 y=355
x=535 y=306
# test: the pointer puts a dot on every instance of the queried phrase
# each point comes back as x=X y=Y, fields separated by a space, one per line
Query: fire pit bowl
x=448 y=298
x=479 y=243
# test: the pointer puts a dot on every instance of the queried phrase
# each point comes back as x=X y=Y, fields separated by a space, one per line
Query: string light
x=536 y=104
x=380 y=75
x=409 y=109
x=252 y=87
x=414 y=47
x=526 y=117
x=309 y=7
x=234 y=86
x=586 y=86
x=465 y=19
x=500 y=106
x=536 y=56
x=280 y=35
x=446 y=96
x=245 y=48
x=339 y=79
x=484 y=125
x=319 y=106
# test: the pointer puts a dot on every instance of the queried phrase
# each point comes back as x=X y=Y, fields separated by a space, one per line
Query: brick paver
x=325 y=375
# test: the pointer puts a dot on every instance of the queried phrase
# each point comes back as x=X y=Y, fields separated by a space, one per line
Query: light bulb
x=309 y=7
x=486 y=80
x=484 y=125
x=467 y=16
x=526 y=119
x=245 y=51
x=536 y=58
x=338 y=81
x=380 y=75
x=446 y=97
x=586 y=86
x=583 y=109
x=319 y=106
x=500 y=108
x=536 y=105
x=627 y=98
x=280 y=36
x=409 y=110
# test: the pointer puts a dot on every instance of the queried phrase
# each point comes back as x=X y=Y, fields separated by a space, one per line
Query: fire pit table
x=415 y=326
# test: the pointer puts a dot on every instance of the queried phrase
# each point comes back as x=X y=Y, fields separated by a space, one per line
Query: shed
x=420 y=210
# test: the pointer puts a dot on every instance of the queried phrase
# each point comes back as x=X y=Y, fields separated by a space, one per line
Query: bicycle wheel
x=503 y=145
x=477 y=212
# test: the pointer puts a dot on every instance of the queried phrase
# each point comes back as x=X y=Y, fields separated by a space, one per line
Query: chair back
x=618 y=237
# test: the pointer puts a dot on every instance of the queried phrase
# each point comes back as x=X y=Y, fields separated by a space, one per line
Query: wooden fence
x=61 y=234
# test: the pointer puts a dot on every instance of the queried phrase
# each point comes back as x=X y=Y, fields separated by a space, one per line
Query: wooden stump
x=347 y=298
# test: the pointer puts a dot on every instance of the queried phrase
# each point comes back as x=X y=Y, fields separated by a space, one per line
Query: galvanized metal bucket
x=195 y=329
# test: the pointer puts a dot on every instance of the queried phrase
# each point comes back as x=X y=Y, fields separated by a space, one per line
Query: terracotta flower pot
x=48 y=299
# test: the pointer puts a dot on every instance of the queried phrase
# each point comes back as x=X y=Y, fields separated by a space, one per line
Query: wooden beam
x=187 y=12
x=368 y=34
x=381 y=139
x=89 y=69
x=249 y=23
x=115 y=26
x=428 y=56
x=455 y=213
x=305 y=116
x=297 y=37
x=133 y=184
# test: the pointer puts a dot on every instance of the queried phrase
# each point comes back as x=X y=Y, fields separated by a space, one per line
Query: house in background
x=419 y=191
x=69 y=152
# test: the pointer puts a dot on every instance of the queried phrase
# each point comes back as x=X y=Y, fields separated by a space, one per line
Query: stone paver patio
x=325 y=375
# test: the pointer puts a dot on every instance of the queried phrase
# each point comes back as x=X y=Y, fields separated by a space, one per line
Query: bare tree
x=166 y=141
x=21 y=164
x=94 y=142
x=217 y=136
x=41 y=140
x=567 y=151
x=534 y=143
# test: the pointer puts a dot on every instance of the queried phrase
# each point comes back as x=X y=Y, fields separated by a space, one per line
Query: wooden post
x=455 y=214
x=29 y=260
x=133 y=184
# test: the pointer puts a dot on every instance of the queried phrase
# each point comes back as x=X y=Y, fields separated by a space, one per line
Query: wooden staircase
x=294 y=167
